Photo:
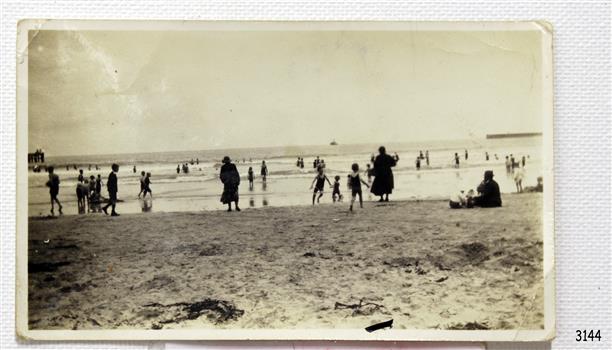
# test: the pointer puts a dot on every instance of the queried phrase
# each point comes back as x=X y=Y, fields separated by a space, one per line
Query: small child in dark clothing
x=320 y=184
x=355 y=182
x=251 y=177
x=336 y=195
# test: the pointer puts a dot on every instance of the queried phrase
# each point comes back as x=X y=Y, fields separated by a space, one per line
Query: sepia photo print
x=285 y=180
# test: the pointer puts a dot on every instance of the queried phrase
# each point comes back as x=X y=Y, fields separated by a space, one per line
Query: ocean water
x=200 y=189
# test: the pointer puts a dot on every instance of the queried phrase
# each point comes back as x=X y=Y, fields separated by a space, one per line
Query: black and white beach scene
x=286 y=179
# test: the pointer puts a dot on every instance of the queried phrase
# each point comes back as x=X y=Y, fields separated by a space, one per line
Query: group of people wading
x=381 y=171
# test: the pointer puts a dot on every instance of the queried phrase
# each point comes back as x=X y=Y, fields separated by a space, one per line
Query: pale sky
x=101 y=92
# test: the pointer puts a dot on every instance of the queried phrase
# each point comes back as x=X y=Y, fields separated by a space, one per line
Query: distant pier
x=513 y=135
x=36 y=157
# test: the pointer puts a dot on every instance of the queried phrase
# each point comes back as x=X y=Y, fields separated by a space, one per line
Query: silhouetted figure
x=231 y=180
x=383 y=175
x=53 y=184
x=113 y=187
x=264 y=171
x=488 y=190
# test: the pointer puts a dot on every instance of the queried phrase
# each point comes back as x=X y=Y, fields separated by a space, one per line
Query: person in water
x=113 y=187
x=231 y=180
x=427 y=157
x=134 y=170
x=456 y=160
x=356 y=182
x=53 y=184
x=178 y=169
x=81 y=178
x=466 y=154
x=251 y=177
x=487 y=156
x=418 y=163
x=147 y=186
x=142 y=183
x=489 y=196
x=264 y=171
x=319 y=185
x=336 y=195
x=369 y=173
x=383 y=175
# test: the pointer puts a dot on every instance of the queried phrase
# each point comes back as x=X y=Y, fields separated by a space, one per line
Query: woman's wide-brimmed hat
x=226 y=159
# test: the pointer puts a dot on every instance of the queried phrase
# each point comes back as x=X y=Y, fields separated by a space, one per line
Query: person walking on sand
x=356 y=182
x=264 y=171
x=320 y=185
x=113 y=187
x=142 y=183
x=251 y=178
x=147 y=186
x=383 y=175
x=53 y=184
x=231 y=180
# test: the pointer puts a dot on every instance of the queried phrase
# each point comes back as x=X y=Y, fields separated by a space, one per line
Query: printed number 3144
x=591 y=335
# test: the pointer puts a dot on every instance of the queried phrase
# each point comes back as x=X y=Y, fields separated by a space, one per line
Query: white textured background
x=582 y=132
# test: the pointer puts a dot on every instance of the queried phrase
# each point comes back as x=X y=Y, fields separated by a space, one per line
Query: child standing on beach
x=53 y=185
x=320 y=184
x=336 y=195
x=251 y=177
x=369 y=173
x=356 y=182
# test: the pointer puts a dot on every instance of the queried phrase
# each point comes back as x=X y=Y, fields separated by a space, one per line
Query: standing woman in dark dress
x=231 y=180
x=383 y=175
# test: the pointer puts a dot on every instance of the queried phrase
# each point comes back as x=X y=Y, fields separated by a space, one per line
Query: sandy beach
x=418 y=262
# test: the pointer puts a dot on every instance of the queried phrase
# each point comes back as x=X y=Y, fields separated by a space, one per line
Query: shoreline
x=222 y=207
x=424 y=265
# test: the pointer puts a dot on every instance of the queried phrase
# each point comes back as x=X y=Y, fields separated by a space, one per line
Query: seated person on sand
x=537 y=188
x=462 y=200
x=489 y=192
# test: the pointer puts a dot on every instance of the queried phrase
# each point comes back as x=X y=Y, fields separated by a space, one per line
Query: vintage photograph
x=285 y=176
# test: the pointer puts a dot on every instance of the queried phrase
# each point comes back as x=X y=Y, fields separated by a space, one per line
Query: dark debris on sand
x=217 y=311
x=476 y=252
x=45 y=266
x=363 y=308
x=469 y=326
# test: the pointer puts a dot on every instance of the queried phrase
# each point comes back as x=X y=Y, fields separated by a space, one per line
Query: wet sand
x=420 y=263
